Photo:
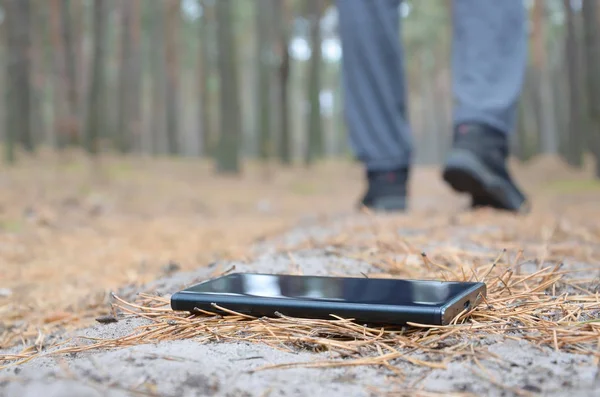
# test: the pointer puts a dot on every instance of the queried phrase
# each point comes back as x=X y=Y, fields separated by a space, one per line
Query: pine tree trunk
x=136 y=77
x=547 y=133
x=158 y=121
x=81 y=67
x=204 y=77
x=125 y=75
x=18 y=79
x=315 y=122
x=583 y=84
x=38 y=75
x=529 y=115
x=49 y=73
x=263 y=120
x=63 y=128
x=423 y=145
x=341 y=140
x=129 y=109
x=519 y=140
x=230 y=130
x=3 y=83
x=282 y=19
x=172 y=82
x=70 y=69
x=560 y=83
x=575 y=144
x=96 y=106
x=430 y=127
x=591 y=19
x=440 y=124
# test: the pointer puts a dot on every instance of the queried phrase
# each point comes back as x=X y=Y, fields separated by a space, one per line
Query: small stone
x=171 y=267
x=5 y=292
x=264 y=206
x=532 y=388
x=107 y=319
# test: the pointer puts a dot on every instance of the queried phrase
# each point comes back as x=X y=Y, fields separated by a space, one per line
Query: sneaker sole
x=389 y=204
x=465 y=173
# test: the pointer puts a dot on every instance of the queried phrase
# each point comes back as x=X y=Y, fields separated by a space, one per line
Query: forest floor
x=72 y=232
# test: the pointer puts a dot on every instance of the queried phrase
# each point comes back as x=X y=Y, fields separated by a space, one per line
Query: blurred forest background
x=230 y=80
x=164 y=97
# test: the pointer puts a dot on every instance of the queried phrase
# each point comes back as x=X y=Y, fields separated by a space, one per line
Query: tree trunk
x=533 y=115
x=592 y=50
x=575 y=144
x=136 y=77
x=204 y=79
x=81 y=68
x=263 y=71
x=283 y=19
x=230 y=134
x=315 y=122
x=437 y=107
x=519 y=140
x=70 y=69
x=96 y=106
x=158 y=78
x=18 y=79
x=583 y=84
x=38 y=74
x=430 y=124
x=547 y=133
x=63 y=127
x=422 y=123
x=128 y=116
x=172 y=26
x=561 y=85
x=125 y=76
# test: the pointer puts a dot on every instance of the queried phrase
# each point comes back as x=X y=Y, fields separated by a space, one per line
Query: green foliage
x=574 y=186
x=303 y=188
x=11 y=225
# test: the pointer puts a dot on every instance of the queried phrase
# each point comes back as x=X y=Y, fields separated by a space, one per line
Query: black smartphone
x=366 y=300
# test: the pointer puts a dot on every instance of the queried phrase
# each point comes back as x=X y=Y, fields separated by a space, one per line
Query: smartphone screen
x=332 y=289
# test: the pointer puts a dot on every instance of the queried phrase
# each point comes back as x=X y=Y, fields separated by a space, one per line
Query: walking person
x=489 y=57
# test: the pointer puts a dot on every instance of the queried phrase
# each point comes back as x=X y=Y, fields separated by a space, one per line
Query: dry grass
x=541 y=269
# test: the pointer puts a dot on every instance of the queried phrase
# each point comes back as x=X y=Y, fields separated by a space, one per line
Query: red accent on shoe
x=463 y=129
x=391 y=177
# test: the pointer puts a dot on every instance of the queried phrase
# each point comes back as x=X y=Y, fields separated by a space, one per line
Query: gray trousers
x=489 y=57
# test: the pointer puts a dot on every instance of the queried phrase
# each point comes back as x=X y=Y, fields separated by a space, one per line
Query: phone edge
x=456 y=305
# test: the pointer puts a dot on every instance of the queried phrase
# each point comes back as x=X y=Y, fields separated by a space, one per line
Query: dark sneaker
x=476 y=165
x=386 y=191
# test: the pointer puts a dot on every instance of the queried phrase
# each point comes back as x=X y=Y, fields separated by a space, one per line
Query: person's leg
x=489 y=61
x=374 y=96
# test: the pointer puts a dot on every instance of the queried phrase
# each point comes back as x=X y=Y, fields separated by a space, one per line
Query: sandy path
x=186 y=368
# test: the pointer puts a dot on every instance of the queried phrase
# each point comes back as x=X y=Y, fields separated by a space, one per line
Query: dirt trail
x=509 y=365
x=562 y=228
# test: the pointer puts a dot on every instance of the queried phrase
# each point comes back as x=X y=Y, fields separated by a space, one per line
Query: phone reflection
x=369 y=291
x=262 y=286
x=393 y=292
x=287 y=287
x=425 y=295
